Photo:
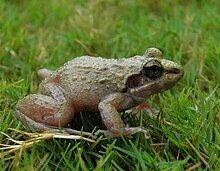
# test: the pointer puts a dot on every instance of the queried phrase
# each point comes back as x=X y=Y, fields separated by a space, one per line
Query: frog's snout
x=177 y=73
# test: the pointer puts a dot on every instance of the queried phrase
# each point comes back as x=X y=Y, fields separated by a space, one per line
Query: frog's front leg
x=108 y=109
x=51 y=108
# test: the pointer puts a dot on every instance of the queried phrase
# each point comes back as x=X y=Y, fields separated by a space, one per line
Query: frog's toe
x=106 y=132
x=127 y=131
x=146 y=133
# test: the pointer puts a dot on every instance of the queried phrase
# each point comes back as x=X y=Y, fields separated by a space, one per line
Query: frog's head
x=157 y=75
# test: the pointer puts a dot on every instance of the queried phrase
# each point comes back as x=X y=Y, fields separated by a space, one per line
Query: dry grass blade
x=34 y=138
x=197 y=152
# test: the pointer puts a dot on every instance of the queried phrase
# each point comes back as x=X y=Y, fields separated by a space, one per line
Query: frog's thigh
x=108 y=109
x=45 y=109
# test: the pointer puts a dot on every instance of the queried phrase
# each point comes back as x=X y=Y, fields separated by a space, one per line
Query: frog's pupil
x=153 y=69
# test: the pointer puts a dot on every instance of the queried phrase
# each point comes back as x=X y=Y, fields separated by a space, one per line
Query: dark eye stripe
x=134 y=81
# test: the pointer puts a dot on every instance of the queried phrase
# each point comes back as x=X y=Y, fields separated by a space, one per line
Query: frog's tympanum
x=96 y=84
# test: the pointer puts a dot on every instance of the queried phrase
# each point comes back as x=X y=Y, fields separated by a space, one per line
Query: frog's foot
x=127 y=131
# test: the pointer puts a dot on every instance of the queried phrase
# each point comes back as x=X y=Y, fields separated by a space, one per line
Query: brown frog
x=97 y=84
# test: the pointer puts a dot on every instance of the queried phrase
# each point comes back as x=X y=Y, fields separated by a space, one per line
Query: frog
x=97 y=84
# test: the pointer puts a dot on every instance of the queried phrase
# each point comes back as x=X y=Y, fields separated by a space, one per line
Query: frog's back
x=88 y=79
x=112 y=73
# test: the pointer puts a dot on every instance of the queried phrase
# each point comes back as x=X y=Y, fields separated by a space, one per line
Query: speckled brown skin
x=97 y=85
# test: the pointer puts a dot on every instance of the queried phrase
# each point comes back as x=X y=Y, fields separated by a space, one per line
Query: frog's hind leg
x=30 y=123
x=145 y=107
x=45 y=110
x=50 y=107
x=51 y=110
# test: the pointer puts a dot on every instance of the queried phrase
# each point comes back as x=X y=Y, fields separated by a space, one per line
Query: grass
x=185 y=135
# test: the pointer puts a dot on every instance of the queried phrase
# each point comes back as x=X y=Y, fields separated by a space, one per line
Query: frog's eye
x=153 y=69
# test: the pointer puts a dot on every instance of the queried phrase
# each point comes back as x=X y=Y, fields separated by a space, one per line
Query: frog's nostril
x=174 y=71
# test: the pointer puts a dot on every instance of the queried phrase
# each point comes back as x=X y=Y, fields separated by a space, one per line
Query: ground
x=185 y=134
